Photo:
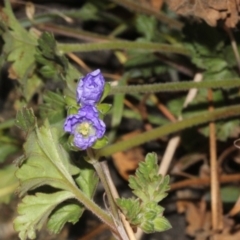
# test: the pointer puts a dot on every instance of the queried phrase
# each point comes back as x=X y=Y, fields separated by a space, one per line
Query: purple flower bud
x=85 y=126
x=90 y=88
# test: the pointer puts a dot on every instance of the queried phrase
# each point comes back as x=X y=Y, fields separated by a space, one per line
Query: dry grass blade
x=216 y=203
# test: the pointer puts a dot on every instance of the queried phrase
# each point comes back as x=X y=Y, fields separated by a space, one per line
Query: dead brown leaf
x=209 y=10
x=156 y=4
x=198 y=219
x=127 y=162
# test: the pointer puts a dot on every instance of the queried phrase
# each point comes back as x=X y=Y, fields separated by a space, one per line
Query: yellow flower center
x=84 y=128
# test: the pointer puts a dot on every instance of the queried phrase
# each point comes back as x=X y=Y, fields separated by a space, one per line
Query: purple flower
x=85 y=126
x=90 y=88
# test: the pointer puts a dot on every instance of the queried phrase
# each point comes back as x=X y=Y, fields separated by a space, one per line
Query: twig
x=115 y=195
x=234 y=46
x=216 y=205
x=200 y=182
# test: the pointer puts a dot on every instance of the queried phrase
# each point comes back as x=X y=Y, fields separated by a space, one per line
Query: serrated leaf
x=20 y=48
x=47 y=44
x=131 y=209
x=19 y=43
x=53 y=64
x=144 y=211
x=147 y=184
x=161 y=224
x=26 y=119
x=152 y=219
x=66 y=212
x=47 y=162
x=34 y=211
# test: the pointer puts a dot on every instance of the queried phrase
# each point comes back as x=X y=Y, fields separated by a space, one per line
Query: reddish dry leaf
x=196 y=216
x=156 y=4
x=229 y=236
x=210 y=10
x=127 y=162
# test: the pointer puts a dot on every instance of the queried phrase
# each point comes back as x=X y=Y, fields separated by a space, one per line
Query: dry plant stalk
x=216 y=204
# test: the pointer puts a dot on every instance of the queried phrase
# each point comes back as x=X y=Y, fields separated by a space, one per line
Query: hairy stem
x=119 y=44
x=93 y=207
x=176 y=86
x=102 y=173
x=155 y=133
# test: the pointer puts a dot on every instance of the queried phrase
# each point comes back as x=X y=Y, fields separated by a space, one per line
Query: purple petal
x=90 y=88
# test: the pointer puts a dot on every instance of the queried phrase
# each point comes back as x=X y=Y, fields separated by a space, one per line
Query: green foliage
x=8 y=183
x=66 y=212
x=46 y=170
x=87 y=180
x=19 y=48
x=25 y=119
x=150 y=188
x=107 y=88
x=36 y=209
x=147 y=184
x=52 y=64
x=147 y=26
x=53 y=108
x=48 y=164
x=104 y=108
x=100 y=143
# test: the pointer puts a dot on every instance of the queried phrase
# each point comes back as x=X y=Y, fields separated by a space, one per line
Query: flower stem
x=93 y=207
x=102 y=173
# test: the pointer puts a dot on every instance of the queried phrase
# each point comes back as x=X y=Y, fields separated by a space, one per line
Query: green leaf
x=66 y=212
x=47 y=162
x=107 y=88
x=144 y=211
x=34 y=211
x=47 y=45
x=148 y=184
x=26 y=119
x=53 y=64
x=20 y=48
x=147 y=26
x=131 y=209
x=104 y=108
x=87 y=179
x=53 y=108
x=161 y=224
x=8 y=183
x=100 y=143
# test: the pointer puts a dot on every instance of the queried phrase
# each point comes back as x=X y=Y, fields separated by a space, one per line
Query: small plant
x=47 y=163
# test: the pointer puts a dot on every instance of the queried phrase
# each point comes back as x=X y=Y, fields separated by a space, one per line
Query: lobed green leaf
x=34 y=210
